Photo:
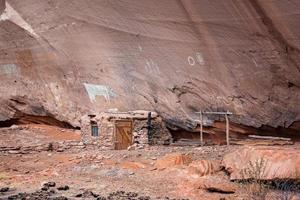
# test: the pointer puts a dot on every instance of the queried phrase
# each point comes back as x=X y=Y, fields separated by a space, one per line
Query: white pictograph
x=198 y=57
x=9 y=69
x=191 y=61
x=99 y=90
x=152 y=67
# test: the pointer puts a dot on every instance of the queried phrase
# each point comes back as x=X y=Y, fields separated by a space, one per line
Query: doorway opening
x=123 y=134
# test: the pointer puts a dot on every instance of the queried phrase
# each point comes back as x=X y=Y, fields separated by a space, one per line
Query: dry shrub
x=285 y=189
x=253 y=180
x=255 y=187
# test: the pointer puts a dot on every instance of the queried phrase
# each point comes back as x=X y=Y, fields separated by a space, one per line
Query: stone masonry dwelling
x=123 y=130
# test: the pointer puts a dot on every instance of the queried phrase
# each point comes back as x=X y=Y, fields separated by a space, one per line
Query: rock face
x=67 y=58
x=265 y=163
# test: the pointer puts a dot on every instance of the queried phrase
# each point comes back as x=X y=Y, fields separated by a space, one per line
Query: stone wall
x=105 y=139
x=50 y=147
x=159 y=134
x=140 y=133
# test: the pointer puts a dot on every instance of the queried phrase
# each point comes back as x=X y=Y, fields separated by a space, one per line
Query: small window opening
x=95 y=129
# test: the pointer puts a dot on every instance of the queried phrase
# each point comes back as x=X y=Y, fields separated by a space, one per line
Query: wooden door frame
x=115 y=130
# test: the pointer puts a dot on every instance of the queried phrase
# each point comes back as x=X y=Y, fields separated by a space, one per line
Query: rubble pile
x=50 y=193
x=37 y=195
x=53 y=146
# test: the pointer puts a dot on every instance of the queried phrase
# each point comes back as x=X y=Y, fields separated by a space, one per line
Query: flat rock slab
x=264 y=163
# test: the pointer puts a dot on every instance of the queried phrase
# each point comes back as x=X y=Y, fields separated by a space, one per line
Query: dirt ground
x=102 y=172
x=105 y=172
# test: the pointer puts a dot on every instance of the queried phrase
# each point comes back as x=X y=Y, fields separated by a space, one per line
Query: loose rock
x=64 y=188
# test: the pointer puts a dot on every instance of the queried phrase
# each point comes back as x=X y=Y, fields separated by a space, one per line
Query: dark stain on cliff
x=277 y=36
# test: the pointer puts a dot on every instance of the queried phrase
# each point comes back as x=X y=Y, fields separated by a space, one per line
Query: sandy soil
x=104 y=172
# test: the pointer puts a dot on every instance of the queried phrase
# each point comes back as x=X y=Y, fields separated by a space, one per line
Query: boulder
x=5 y=189
x=265 y=163
x=171 y=160
x=14 y=127
x=49 y=184
x=203 y=167
x=63 y=188
x=208 y=187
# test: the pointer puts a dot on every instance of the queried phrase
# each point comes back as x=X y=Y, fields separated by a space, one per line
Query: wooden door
x=123 y=134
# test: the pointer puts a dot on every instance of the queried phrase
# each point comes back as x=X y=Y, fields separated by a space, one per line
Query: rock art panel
x=239 y=56
x=9 y=69
x=99 y=90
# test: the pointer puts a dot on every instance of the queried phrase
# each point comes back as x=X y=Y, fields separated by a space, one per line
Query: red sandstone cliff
x=65 y=58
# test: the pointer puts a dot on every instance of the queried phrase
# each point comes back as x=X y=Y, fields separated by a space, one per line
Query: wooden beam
x=269 y=137
x=216 y=113
x=226 y=114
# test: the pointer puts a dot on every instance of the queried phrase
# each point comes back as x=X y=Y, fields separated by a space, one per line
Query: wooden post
x=227 y=129
x=149 y=128
x=201 y=128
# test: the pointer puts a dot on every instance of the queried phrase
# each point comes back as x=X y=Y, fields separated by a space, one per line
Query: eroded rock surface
x=173 y=160
x=265 y=163
x=204 y=167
